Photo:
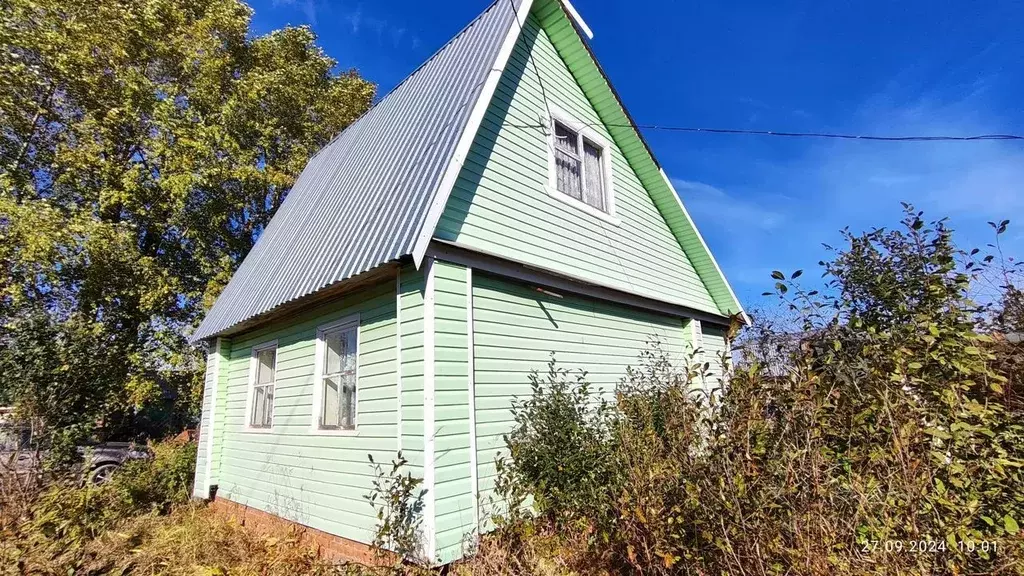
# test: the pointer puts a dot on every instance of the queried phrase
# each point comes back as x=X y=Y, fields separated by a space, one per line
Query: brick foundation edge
x=328 y=546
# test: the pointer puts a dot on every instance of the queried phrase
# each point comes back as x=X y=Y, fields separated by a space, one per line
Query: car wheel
x=101 y=474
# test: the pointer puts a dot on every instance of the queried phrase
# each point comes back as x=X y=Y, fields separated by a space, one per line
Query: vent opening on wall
x=548 y=292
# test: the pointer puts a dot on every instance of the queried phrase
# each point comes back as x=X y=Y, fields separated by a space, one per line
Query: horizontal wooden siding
x=500 y=202
x=316 y=479
x=517 y=328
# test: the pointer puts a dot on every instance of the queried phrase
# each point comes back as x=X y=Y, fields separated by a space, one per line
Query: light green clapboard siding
x=412 y=287
x=315 y=479
x=453 y=494
x=221 y=401
x=716 y=347
x=500 y=204
x=515 y=330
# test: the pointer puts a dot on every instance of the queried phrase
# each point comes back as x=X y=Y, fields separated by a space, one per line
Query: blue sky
x=879 y=67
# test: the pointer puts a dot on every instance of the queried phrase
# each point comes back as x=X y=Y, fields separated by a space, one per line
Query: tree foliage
x=144 y=145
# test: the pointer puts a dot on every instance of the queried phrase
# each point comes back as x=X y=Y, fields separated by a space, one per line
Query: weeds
x=883 y=442
x=58 y=521
x=399 y=510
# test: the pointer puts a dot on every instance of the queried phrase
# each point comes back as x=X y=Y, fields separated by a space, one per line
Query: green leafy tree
x=144 y=145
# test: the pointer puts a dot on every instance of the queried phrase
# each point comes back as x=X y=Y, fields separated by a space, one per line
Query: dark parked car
x=100 y=461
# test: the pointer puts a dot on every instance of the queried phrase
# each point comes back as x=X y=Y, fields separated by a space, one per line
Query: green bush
x=397 y=501
x=69 y=512
x=881 y=443
x=558 y=451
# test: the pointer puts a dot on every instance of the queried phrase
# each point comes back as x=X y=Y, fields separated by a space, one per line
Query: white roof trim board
x=578 y=19
x=375 y=193
x=686 y=213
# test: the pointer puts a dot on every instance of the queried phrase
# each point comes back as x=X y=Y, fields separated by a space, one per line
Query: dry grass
x=523 y=550
x=192 y=540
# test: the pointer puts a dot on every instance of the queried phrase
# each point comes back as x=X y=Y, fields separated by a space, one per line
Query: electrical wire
x=536 y=71
x=785 y=134
x=551 y=146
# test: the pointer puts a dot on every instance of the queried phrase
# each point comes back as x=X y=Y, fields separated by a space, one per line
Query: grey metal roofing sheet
x=362 y=200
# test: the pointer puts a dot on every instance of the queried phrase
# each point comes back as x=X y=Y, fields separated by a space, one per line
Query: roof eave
x=298 y=305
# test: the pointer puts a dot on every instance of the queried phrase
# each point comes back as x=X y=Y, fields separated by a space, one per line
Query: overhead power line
x=786 y=134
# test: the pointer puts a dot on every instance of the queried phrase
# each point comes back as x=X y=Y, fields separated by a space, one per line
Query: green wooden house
x=497 y=206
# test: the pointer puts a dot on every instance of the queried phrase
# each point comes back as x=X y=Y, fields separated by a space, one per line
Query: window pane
x=348 y=358
x=567 y=162
x=340 y=350
x=333 y=342
x=332 y=406
x=268 y=406
x=567 y=174
x=348 y=415
x=265 y=366
x=262 y=406
x=593 y=189
x=566 y=139
x=257 y=407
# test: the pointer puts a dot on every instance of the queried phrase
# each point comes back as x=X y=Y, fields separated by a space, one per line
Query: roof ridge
x=409 y=76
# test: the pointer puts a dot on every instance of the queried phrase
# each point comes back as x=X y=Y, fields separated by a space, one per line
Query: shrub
x=157 y=484
x=558 y=451
x=881 y=443
x=68 y=514
x=399 y=510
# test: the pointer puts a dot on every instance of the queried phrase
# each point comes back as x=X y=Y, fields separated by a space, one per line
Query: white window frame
x=585 y=133
x=251 y=393
x=318 y=375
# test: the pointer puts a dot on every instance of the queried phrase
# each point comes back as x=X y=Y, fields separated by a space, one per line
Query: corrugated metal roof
x=362 y=200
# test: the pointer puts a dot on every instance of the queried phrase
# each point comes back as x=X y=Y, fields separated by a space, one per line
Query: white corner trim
x=711 y=256
x=474 y=480
x=697 y=338
x=252 y=382
x=554 y=113
x=398 y=357
x=579 y=19
x=476 y=117
x=429 y=481
x=351 y=320
x=213 y=361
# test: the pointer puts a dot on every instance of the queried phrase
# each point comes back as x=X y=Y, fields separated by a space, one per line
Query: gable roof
x=583 y=64
x=361 y=201
x=375 y=193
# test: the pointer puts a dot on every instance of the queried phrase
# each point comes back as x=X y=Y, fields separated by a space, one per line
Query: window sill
x=334 y=432
x=255 y=430
x=582 y=206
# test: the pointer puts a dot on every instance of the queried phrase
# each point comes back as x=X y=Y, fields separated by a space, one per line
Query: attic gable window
x=580 y=170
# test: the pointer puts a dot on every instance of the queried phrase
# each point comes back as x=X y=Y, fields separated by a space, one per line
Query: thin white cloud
x=705 y=201
x=308 y=8
x=381 y=28
x=781 y=213
x=355 y=18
